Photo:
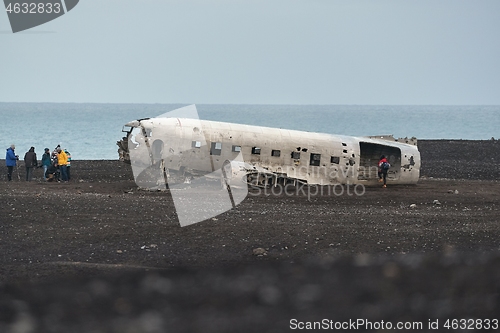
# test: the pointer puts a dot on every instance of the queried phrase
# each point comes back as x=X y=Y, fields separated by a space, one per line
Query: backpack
x=385 y=166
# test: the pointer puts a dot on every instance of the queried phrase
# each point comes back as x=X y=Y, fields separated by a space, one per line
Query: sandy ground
x=98 y=255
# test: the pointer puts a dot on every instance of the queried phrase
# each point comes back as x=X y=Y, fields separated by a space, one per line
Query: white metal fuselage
x=193 y=147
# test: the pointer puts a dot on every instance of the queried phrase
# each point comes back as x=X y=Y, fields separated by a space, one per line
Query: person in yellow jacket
x=62 y=160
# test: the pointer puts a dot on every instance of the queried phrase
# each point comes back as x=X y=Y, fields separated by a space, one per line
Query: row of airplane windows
x=315 y=159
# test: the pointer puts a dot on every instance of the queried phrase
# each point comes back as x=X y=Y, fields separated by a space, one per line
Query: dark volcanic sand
x=97 y=255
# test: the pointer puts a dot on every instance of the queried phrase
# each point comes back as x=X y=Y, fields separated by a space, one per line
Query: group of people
x=56 y=165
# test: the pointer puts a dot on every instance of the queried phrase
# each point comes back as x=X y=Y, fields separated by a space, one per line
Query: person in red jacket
x=383 y=168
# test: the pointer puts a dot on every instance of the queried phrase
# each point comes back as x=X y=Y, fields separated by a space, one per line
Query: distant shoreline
x=448 y=159
x=420 y=143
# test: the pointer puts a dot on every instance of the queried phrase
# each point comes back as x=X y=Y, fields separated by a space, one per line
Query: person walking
x=46 y=162
x=30 y=162
x=383 y=168
x=62 y=160
x=10 y=161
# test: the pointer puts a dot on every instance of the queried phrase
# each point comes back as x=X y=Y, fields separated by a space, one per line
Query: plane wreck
x=171 y=149
x=188 y=148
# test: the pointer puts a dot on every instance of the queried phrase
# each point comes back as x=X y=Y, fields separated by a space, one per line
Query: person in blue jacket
x=46 y=162
x=10 y=160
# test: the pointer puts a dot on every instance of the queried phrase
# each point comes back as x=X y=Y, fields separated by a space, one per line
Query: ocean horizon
x=90 y=130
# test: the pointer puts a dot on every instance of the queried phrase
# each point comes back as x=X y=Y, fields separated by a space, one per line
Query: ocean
x=90 y=131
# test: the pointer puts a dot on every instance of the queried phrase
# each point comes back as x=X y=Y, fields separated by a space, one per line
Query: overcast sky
x=444 y=52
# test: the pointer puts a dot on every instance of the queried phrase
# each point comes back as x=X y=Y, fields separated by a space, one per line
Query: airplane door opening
x=370 y=155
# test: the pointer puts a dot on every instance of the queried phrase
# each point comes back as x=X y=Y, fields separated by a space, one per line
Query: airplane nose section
x=134 y=123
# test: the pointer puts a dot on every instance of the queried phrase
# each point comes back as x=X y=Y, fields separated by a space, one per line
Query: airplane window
x=276 y=153
x=157 y=149
x=296 y=155
x=335 y=159
x=256 y=150
x=196 y=144
x=315 y=159
x=237 y=149
x=135 y=134
x=215 y=148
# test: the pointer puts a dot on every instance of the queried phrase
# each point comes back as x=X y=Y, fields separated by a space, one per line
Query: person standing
x=10 y=161
x=62 y=160
x=68 y=165
x=30 y=162
x=54 y=153
x=46 y=162
x=383 y=168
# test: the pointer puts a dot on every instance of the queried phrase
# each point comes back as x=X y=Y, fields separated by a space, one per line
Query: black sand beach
x=99 y=255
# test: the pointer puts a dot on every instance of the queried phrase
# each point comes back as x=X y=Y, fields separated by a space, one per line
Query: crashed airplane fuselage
x=175 y=150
